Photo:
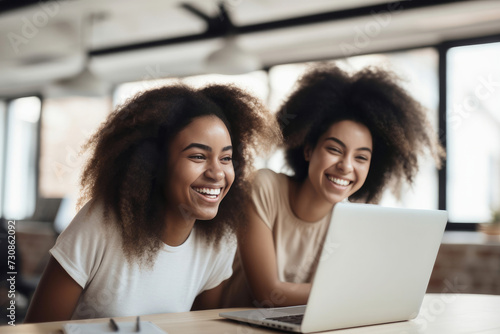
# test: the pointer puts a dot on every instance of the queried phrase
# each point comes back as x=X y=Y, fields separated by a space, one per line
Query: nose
x=214 y=171
x=345 y=165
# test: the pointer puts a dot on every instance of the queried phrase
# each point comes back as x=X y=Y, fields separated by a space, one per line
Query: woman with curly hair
x=345 y=138
x=155 y=235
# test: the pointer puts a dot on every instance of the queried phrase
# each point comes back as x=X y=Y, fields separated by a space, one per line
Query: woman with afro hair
x=346 y=137
x=164 y=190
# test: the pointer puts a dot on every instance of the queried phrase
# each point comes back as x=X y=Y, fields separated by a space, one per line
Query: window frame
x=443 y=49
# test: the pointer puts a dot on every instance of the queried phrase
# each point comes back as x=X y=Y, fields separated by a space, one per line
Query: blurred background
x=65 y=65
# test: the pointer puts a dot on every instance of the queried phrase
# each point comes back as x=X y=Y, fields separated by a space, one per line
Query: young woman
x=154 y=236
x=345 y=138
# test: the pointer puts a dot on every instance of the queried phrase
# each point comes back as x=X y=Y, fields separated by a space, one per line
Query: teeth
x=340 y=182
x=208 y=191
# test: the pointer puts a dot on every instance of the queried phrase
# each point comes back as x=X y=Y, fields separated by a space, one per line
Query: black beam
x=472 y=41
x=9 y=5
x=195 y=11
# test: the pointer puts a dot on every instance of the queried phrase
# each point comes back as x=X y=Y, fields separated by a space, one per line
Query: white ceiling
x=50 y=41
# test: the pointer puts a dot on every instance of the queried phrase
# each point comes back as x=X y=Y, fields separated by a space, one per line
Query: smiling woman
x=345 y=138
x=165 y=190
x=200 y=174
x=338 y=165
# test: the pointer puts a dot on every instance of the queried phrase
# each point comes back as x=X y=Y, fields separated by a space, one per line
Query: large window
x=254 y=82
x=21 y=145
x=3 y=132
x=473 y=132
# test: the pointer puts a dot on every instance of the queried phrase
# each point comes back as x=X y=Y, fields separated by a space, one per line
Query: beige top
x=297 y=243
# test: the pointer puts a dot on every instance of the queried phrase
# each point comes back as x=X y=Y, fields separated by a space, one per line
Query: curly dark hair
x=373 y=97
x=130 y=152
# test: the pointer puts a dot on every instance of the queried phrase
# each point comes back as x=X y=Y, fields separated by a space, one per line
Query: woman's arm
x=55 y=297
x=258 y=258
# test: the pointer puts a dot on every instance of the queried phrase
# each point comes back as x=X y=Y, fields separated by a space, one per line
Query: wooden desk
x=440 y=314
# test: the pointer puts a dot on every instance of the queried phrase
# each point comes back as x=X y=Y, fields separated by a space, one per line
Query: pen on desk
x=114 y=325
x=137 y=324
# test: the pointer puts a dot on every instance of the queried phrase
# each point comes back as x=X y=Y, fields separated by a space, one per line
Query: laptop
x=374 y=268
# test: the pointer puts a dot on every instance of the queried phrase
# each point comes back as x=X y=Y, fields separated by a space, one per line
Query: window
x=3 y=130
x=473 y=132
x=254 y=82
x=67 y=123
x=20 y=175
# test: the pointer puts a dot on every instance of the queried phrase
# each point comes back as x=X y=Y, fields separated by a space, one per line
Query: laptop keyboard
x=291 y=319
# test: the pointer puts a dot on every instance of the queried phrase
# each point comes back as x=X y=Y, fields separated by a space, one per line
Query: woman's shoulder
x=267 y=176
x=270 y=184
x=269 y=195
x=90 y=219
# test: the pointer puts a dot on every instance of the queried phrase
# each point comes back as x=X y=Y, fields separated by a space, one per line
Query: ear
x=307 y=152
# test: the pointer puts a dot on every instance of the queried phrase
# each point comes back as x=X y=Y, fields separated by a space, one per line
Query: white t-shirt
x=91 y=253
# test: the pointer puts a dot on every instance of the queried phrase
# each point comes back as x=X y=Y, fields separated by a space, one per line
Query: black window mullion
x=442 y=72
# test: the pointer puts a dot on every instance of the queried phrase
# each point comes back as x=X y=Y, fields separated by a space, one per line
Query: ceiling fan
x=230 y=58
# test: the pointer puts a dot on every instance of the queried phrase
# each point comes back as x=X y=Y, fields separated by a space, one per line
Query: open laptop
x=374 y=268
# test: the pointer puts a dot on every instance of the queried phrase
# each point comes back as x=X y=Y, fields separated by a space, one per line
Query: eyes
x=338 y=151
x=225 y=159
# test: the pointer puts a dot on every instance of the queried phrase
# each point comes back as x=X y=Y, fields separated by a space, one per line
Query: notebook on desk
x=146 y=327
x=374 y=268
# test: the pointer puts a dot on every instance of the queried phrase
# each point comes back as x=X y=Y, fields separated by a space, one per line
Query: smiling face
x=339 y=163
x=200 y=169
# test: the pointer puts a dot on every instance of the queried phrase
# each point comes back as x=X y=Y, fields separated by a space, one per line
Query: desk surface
x=440 y=314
